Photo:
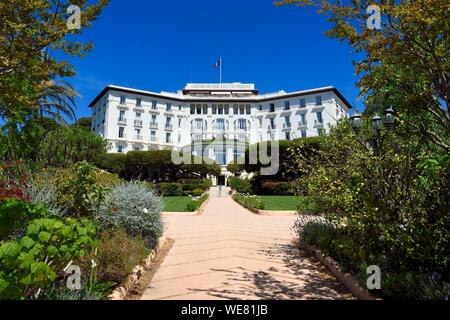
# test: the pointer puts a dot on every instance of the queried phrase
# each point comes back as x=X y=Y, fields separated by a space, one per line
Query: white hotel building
x=142 y=120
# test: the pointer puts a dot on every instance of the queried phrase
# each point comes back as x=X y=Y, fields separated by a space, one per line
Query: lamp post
x=377 y=125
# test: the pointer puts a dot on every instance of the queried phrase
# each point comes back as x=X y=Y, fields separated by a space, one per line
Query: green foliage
x=394 y=206
x=36 y=259
x=15 y=215
x=196 y=202
x=154 y=165
x=262 y=187
x=134 y=208
x=83 y=192
x=57 y=147
x=240 y=185
x=170 y=189
x=252 y=203
x=117 y=255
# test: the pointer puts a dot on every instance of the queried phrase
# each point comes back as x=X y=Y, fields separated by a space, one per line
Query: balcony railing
x=138 y=137
x=274 y=127
x=287 y=125
x=303 y=124
x=138 y=123
x=169 y=127
x=154 y=124
x=122 y=137
x=153 y=139
x=318 y=122
x=169 y=141
x=122 y=121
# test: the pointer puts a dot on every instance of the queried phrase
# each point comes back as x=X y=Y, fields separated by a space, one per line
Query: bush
x=134 y=208
x=196 y=202
x=240 y=185
x=273 y=188
x=16 y=214
x=252 y=203
x=34 y=261
x=170 y=189
x=117 y=255
x=197 y=192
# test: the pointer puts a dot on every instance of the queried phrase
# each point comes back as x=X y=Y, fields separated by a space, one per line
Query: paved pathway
x=230 y=253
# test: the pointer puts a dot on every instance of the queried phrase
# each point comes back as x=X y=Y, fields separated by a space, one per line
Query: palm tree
x=56 y=100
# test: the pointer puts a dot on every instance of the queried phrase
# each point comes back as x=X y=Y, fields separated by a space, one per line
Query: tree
x=84 y=123
x=30 y=31
x=56 y=100
x=406 y=63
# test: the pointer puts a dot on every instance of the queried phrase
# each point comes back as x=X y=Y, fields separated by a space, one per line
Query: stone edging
x=121 y=292
x=347 y=279
x=277 y=213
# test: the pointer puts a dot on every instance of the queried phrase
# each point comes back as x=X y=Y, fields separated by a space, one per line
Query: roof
x=249 y=99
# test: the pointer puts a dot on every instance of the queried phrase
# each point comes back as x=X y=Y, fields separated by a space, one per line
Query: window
x=238 y=153
x=242 y=124
x=168 y=107
x=272 y=107
x=303 y=133
x=302 y=103
x=179 y=123
x=272 y=123
x=287 y=121
x=179 y=138
x=153 y=136
x=260 y=107
x=319 y=117
x=122 y=115
x=287 y=105
x=138 y=102
x=241 y=109
x=235 y=109
x=220 y=110
x=120 y=149
x=288 y=136
x=123 y=99
x=198 y=125
x=248 y=109
x=179 y=107
x=303 y=119
x=220 y=125
x=199 y=109
x=318 y=100
x=138 y=115
x=320 y=132
x=205 y=109
x=227 y=109
x=260 y=122
x=154 y=104
x=168 y=137
x=168 y=122
x=192 y=109
x=214 y=109
x=137 y=149
x=121 y=132
x=221 y=155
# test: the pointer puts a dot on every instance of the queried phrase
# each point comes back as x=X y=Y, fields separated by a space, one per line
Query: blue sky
x=162 y=45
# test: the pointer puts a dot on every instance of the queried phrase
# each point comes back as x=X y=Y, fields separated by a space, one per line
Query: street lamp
x=356 y=121
x=389 y=118
x=377 y=123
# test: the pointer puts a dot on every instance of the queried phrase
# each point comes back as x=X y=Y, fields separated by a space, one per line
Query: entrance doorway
x=221 y=181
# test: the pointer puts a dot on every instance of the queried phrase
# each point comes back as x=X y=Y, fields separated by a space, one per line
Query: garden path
x=231 y=253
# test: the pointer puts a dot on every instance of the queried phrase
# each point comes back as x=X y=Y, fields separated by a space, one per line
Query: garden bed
x=182 y=206
x=346 y=278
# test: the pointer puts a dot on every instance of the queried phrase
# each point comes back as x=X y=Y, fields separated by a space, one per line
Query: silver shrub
x=134 y=208
x=46 y=194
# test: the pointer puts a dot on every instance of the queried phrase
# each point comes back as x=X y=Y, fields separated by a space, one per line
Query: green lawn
x=280 y=203
x=175 y=204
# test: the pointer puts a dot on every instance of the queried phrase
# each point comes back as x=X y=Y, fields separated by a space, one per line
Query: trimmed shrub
x=117 y=255
x=197 y=192
x=196 y=203
x=169 y=189
x=251 y=202
x=134 y=208
x=240 y=185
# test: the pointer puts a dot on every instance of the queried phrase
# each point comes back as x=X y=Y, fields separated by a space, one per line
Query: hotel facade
x=136 y=120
